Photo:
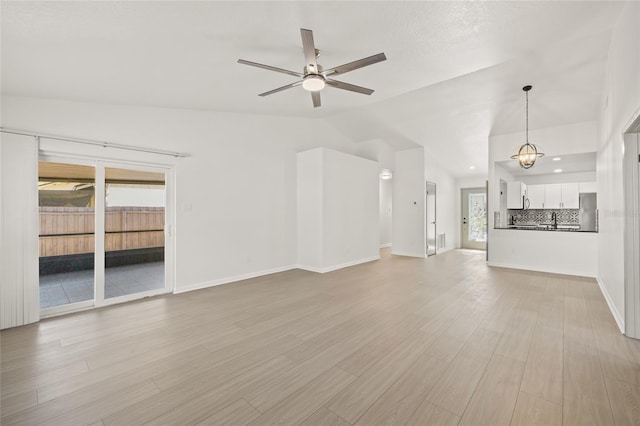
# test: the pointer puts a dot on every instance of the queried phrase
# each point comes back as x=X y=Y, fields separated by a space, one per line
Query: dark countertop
x=546 y=228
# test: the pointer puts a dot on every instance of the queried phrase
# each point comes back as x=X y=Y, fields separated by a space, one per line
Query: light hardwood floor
x=443 y=340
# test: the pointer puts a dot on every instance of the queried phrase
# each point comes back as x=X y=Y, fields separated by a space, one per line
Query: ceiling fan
x=313 y=77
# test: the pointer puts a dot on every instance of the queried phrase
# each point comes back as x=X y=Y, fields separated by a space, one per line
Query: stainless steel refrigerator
x=588 y=211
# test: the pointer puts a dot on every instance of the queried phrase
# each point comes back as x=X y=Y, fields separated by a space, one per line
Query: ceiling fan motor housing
x=311 y=69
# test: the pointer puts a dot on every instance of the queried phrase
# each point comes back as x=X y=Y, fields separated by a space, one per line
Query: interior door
x=431 y=219
x=474 y=218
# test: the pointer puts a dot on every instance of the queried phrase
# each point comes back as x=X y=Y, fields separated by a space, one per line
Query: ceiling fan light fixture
x=313 y=83
x=527 y=153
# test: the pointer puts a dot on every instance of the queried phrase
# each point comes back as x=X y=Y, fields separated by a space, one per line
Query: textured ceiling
x=453 y=76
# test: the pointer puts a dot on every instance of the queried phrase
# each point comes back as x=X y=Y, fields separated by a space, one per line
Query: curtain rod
x=96 y=143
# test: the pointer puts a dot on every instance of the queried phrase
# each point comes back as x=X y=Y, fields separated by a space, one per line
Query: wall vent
x=442 y=241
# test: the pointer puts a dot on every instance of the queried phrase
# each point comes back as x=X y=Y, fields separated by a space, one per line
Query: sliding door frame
x=99 y=164
x=169 y=276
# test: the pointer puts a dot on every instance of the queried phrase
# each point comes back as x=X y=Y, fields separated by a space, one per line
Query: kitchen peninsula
x=539 y=227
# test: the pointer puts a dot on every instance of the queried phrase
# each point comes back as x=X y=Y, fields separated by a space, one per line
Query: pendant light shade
x=528 y=153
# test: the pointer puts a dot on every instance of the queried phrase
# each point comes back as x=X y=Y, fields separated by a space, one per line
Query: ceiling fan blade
x=280 y=89
x=315 y=96
x=309 y=49
x=346 y=86
x=269 y=67
x=342 y=69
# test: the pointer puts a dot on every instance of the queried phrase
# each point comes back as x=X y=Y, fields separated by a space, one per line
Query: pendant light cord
x=526 y=93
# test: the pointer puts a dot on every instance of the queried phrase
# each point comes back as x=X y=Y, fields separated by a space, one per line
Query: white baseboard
x=614 y=311
x=403 y=253
x=339 y=266
x=232 y=279
x=227 y=280
x=385 y=245
x=538 y=269
x=444 y=250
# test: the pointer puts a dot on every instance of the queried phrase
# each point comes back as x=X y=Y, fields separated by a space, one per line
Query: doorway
x=103 y=236
x=474 y=218
x=431 y=219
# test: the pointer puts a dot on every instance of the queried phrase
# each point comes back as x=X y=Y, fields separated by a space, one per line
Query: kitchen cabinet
x=553 y=196
x=562 y=196
x=516 y=194
x=570 y=195
x=535 y=193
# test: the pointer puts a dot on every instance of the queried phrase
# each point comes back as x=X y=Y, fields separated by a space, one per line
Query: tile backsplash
x=565 y=216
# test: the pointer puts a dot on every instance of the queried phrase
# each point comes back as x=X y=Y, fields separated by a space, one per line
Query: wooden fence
x=69 y=230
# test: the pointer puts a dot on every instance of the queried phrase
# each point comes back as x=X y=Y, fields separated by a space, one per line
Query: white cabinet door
x=516 y=191
x=570 y=195
x=553 y=196
x=588 y=187
x=536 y=196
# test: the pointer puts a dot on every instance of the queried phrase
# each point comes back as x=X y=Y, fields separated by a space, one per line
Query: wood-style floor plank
x=237 y=414
x=430 y=414
x=397 y=404
x=495 y=397
x=307 y=400
x=359 y=396
x=543 y=373
x=324 y=417
x=534 y=411
x=444 y=340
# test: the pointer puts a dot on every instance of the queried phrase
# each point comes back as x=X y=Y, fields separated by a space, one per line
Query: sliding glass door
x=134 y=237
x=66 y=204
x=103 y=233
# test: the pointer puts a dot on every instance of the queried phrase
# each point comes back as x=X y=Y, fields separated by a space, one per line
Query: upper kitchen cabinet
x=570 y=196
x=535 y=193
x=552 y=196
x=516 y=195
x=561 y=196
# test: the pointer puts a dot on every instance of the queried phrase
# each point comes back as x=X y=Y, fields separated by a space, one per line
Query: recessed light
x=557 y=158
x=472 y=167
x=557 y=171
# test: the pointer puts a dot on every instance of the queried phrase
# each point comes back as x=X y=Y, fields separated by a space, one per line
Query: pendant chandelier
x=528 y=153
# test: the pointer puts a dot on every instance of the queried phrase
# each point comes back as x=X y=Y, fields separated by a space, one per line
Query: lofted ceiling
x=453 y=76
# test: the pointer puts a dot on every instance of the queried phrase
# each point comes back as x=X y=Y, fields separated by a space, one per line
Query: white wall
x=310 y=203
x=240 y=181
x=621 y=102
x=447 y=204
x=409 y=194
x=496 y=173
x=558 y=178
x=378 y=150
x=350 y=210
x=337 y=210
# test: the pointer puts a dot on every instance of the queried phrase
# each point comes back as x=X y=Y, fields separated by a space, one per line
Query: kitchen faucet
x=554 y=218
